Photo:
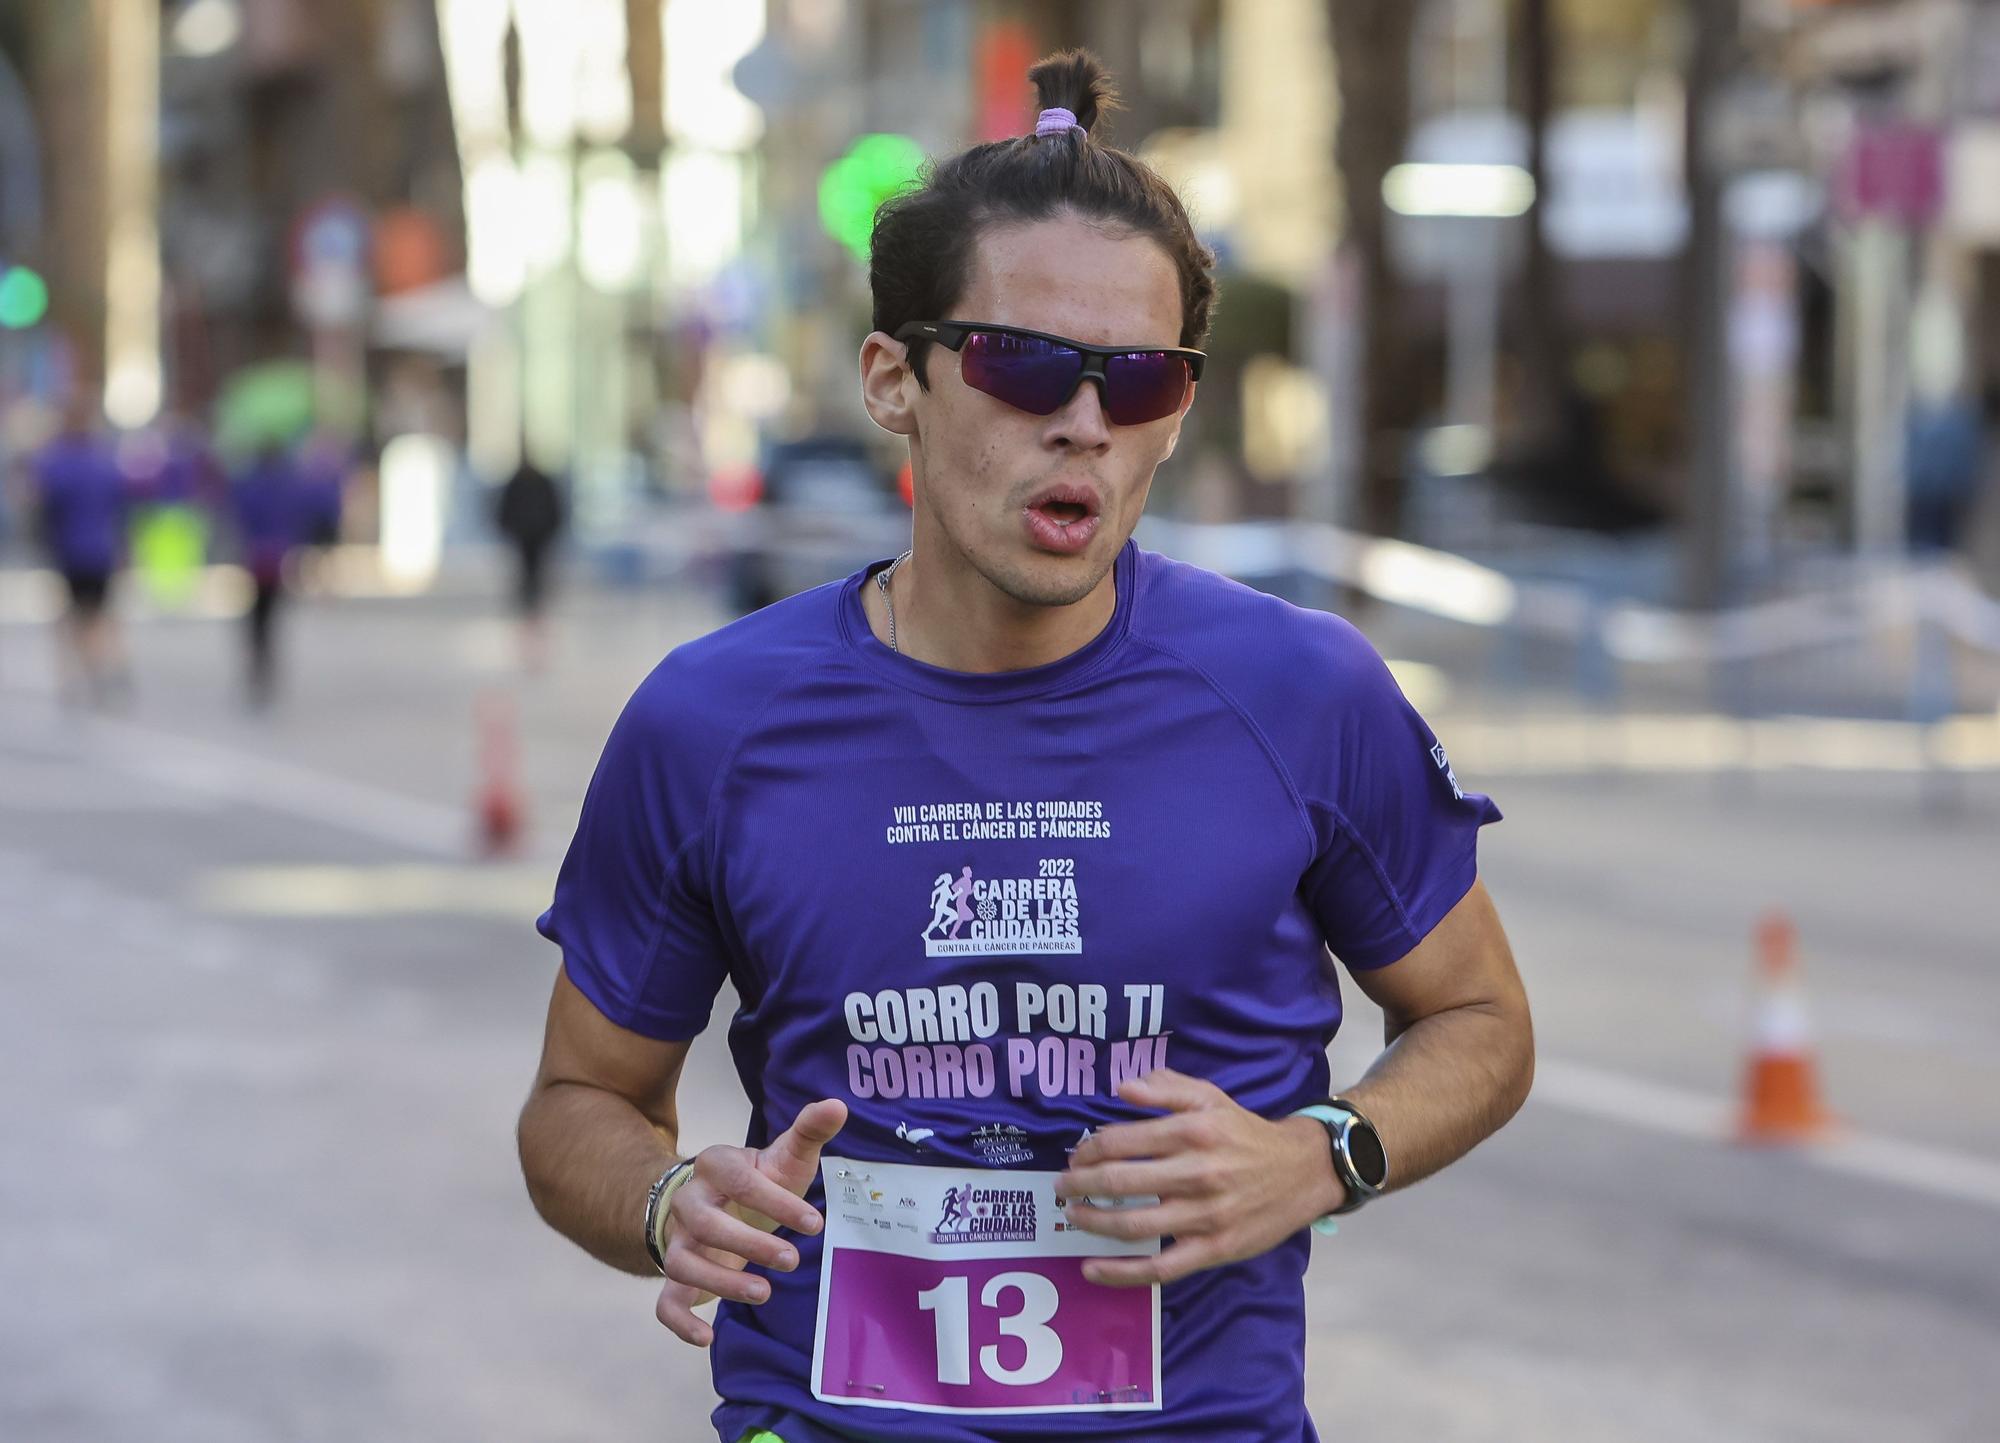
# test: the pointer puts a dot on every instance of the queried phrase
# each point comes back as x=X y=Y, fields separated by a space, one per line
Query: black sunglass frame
x=952 y=335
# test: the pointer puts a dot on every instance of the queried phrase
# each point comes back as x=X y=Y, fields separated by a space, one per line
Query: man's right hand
x=726 y=1214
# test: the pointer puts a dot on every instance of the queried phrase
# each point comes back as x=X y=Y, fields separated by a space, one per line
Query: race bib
x=962 y=1291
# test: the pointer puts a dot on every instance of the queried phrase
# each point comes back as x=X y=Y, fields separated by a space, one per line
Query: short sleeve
x=632 y=911
x=1396 y=835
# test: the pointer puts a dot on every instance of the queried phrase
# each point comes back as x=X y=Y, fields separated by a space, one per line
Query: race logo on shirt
x=974 y=1214
x=1444 y=765
x=979 y=916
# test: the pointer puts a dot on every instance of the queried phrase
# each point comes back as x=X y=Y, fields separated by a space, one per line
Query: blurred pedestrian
x=272 y=513
x=1945 y=460
x=1164 y=798
x=83 y=499
x=325 y=460
x=530 y=513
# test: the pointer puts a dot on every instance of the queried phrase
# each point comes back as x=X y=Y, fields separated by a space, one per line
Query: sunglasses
x=1038 y=373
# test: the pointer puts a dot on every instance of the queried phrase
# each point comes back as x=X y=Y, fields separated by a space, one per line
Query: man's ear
x=888 y=385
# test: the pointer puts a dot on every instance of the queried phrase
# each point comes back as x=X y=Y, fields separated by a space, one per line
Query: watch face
x=1364 y=1150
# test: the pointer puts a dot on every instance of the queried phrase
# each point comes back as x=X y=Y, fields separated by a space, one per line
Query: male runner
x=1168 y=796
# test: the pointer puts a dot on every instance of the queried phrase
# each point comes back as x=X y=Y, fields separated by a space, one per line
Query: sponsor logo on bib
x=974 y=1214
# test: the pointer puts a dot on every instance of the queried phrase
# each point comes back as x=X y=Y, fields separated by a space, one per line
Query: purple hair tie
x=1055 y=120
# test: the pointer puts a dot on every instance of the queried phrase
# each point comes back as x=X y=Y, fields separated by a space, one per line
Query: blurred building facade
x=1561 y=263
x=233 y=181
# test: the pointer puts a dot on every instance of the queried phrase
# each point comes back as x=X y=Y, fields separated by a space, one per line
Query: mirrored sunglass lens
x=1036 y=376
x=1143 y=386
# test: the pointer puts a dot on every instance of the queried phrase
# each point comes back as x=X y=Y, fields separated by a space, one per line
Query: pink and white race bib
x=962 y=1291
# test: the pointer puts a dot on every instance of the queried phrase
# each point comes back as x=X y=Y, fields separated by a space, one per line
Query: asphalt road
x=264 y=1026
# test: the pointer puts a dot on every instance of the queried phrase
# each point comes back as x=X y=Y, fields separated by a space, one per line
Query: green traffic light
x=854 y=187
x=24 y=298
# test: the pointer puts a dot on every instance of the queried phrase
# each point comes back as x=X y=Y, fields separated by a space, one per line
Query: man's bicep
x=1465 y=961
x=584 y=1047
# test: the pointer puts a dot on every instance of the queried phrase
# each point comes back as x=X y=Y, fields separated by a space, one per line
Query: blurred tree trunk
x=653 y=362
x=644 y=62
x=1704 y=310
x=63 y=67
x=1540 y=324
x=1371 y=45
x=1058 y=24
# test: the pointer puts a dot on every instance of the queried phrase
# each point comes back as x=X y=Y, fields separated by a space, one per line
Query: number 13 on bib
x=954 y=1291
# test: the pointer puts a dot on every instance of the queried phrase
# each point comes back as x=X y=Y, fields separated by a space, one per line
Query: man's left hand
x=1230 y=1184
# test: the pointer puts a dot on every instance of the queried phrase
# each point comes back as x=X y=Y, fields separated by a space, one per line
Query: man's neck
x=956 y=619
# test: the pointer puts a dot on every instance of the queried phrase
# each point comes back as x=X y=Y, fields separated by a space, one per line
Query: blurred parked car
x=820 y=508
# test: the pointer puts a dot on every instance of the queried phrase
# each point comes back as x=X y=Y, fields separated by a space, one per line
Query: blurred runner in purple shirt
x=324 y=461
x=273 y=516
x=83 y=500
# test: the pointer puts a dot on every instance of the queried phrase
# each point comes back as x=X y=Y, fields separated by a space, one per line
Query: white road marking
x=1655 y=1107
x=68 y=785
x=1620 y=1097
x=473 y=889
x=224 y=774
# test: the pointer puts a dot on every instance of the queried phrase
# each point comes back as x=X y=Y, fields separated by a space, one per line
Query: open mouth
x=1063 y=520
x=1065 y=505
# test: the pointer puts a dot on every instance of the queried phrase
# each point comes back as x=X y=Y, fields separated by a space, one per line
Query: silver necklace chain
x=882 y=581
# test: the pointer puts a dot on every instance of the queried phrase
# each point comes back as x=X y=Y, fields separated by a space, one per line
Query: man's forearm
x=1445 y=1084
x=589 y=1157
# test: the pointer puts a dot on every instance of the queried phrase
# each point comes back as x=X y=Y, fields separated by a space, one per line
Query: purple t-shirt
x=1182 y=816
x=83 y=496
x=273 y=513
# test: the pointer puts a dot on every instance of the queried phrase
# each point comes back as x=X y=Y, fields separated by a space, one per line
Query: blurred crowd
x=166 y=508
x=163 y=500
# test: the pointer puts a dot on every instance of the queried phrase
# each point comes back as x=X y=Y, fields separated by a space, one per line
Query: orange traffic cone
x=1781 y=1102
x=497 y=806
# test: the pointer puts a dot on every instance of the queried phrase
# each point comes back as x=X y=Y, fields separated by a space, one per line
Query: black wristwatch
x=1359 y=1158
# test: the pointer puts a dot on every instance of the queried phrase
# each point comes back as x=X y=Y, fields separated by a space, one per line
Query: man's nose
x=1081 y=422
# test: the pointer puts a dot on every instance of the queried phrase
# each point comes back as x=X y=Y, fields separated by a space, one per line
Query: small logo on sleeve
x=1444 y=765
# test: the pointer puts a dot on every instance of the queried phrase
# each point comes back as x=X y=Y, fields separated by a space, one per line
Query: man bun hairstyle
x=921 y=251
x=1073 y=80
